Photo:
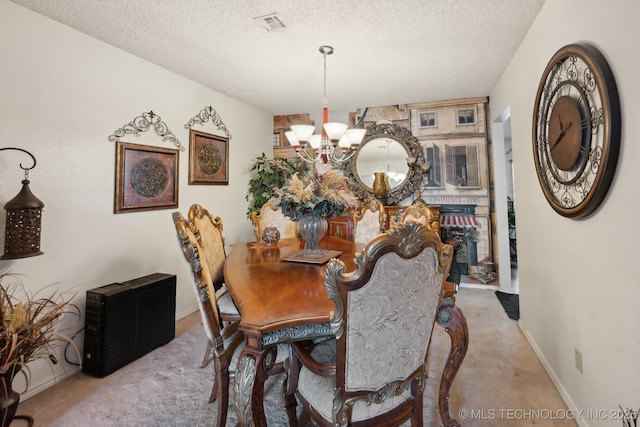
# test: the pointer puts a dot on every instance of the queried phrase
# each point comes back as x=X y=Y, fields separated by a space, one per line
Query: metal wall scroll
x=204 y=115
x=143 y=123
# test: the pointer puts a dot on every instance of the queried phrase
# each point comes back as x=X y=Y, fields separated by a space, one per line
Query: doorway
x=505 y=203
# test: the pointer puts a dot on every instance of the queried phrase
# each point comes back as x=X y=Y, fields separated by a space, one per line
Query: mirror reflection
x=384 y=151
x=382 y=155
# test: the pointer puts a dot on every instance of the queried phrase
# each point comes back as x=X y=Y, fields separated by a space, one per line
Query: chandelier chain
x=324 y=81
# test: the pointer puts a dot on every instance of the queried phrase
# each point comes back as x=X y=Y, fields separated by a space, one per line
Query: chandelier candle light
x=336 y=143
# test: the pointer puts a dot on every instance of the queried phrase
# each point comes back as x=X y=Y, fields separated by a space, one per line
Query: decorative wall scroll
x=204 y=115
x=208 y=159
x=142 y=124
x=146 y=178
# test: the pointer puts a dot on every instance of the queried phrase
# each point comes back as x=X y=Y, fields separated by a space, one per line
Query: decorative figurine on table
x=270 y=236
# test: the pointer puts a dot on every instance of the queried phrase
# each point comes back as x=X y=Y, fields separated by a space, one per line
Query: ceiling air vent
x=270 y=22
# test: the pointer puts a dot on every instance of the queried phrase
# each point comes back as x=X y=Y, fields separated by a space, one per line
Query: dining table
x=282 y=298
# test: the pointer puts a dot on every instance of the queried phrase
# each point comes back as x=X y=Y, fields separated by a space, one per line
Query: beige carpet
x=500 y=382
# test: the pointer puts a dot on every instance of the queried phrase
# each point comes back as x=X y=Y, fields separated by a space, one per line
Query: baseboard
x=33 y=390
x=554 y=378
x=187 y=312
x=478 y=286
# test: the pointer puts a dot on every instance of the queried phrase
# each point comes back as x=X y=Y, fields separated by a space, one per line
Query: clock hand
x=562 y=130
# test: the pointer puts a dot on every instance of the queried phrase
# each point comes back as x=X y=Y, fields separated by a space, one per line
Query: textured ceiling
x=386 y=52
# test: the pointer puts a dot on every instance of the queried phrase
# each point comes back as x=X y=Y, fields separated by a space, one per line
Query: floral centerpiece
x=311 y=199
x=27 y=332
x=316 y=195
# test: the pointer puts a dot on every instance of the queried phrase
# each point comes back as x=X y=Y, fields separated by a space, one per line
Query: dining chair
x=428 y=215
x=369 y=220
x=420 y=212
x=207 y=229
x=225 y=342
x=271 y=215
x=375 y=369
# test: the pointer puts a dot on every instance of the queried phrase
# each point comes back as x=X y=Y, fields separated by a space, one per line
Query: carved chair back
x=208 y=231
x=272 y=216
x=200 y=274
x=420 y=212
x=384 y=315
x=369 y=220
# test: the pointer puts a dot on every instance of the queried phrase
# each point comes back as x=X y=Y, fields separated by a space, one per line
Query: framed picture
x=208 y=159
x=146 y=178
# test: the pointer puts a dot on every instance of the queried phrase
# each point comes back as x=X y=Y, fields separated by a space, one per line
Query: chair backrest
x=368 y=220
x=386 y=309
x=208 y=232
x=271 y=216
x=200 y=275
x=420 y=212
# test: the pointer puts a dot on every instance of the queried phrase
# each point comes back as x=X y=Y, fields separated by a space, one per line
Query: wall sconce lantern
x=24 y=215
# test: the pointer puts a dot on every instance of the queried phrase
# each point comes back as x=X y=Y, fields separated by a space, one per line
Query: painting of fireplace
x=459 y=225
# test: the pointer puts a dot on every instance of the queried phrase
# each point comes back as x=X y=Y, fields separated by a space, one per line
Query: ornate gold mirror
x=386 y=148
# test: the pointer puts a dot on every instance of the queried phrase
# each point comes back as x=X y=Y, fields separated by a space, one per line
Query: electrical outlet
x=578 y=355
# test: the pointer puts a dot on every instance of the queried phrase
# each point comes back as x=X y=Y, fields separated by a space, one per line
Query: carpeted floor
x=510 y=303
x=167 y=388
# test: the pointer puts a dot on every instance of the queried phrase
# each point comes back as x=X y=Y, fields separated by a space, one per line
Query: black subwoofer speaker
x=125 y=321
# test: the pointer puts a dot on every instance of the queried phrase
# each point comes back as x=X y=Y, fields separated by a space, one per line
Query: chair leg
x=290 y=384
x=208 y=355
x=416 y=419
x=216 y=386
x=221 y=384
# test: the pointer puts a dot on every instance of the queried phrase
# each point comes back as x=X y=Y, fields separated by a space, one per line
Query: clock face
x=576 y=130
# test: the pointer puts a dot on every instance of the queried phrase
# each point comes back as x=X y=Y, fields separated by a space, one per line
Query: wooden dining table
x=283 y=301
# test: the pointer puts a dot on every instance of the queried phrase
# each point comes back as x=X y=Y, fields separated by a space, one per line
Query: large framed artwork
x=208 y=158
x=146 y=178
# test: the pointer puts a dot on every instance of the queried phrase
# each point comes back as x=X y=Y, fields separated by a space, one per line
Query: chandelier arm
x=343 y=157
x=307 y=158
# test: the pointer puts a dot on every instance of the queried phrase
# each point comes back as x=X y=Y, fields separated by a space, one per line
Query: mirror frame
x=414 y=175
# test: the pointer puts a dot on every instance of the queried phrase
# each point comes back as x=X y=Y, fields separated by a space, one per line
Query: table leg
x=251 y=372
x=453 y=321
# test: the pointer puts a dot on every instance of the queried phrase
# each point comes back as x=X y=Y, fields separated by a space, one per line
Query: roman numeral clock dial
x=576 y=130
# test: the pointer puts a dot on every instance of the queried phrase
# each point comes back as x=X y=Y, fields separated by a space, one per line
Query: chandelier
x=335 y=143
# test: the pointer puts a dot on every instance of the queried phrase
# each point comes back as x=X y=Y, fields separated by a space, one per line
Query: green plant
x=268 y=174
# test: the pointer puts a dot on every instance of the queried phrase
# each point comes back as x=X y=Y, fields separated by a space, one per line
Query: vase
x=9 y=400
x=312 y=229
x=380 y=184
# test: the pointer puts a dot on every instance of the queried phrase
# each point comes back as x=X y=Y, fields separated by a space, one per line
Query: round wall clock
x=576 y=130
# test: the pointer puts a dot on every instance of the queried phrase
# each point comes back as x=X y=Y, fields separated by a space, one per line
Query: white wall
x=579 y=278
x=62 y=94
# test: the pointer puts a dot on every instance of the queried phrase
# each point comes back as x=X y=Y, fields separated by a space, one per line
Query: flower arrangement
x=28 y=327
x=317 y=195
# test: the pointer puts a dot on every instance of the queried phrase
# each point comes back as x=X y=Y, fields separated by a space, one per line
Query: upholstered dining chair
x=374 y=371
x=368 y=220
x=207 y=229
x=420 y=212
x=271 y=215
x=225 y=342
x=429 y=215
